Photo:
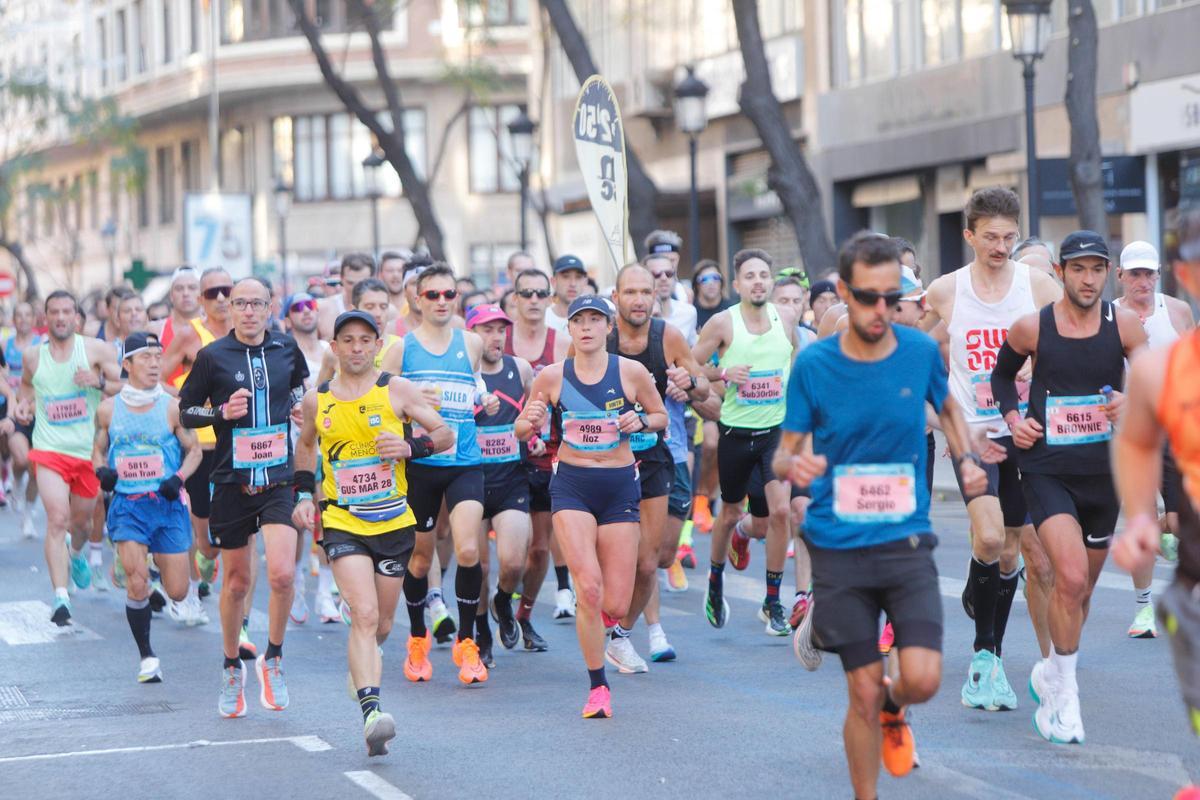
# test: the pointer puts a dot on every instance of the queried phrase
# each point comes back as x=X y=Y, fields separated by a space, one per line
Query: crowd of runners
x=394 y=420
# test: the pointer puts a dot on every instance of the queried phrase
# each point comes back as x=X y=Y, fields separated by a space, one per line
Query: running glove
x=108 y=478
x=169 y=488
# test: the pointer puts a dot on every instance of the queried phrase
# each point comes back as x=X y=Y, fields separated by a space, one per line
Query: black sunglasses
x=217 y=291
x=445 y=294
x=528 y=293
x=869 y=298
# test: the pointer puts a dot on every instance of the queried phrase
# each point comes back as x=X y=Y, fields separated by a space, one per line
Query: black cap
x=564 y=263
x=354 y=316
x=663 y=247
x=138 y=341
x=1083 y=243
x=819 y=288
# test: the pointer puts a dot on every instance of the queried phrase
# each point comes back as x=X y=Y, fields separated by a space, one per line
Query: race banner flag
x=600 y=150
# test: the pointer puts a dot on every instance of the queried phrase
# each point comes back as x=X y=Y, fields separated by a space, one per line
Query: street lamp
x=692 y=117
x=108 y=232
x=283 y=205
x=1029 y=28
x=371 y=165
x=520 y=133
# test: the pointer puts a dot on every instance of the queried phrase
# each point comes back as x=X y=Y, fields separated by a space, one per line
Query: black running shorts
x=389 y=551
x=428 y=485
x=1004 y=482
x=198 y=488
x=1090 y=499
x=236 y=515
x=743 y=453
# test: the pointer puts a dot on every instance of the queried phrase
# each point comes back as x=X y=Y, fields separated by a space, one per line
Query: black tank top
x=1066 y=372
x=647 y=446
x=498 y=446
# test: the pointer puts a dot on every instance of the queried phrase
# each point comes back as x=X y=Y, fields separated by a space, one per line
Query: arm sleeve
x=800 y=412
x=938 y=379
x=194 y=394
x=1004 y=379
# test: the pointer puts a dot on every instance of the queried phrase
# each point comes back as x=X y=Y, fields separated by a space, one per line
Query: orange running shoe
x=599 y=704
x=416 y=666
x=466 y=654
x=898 y=745
x=739 y=550
x=887 y=639
x=676 y=578
x=702 y=516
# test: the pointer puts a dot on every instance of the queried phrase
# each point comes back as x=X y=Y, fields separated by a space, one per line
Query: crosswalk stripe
x=28 y=622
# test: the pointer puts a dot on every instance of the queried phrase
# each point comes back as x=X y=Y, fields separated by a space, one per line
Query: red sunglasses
x=302 y=305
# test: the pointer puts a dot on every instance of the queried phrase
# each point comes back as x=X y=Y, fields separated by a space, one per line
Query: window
x=93 y=189
x=236 y=164
x=480 y=13
x=322 y=155
x=164 y=163
x=168 y=31
x=141 y=36
x=189 y=162
x=979 y=27
x=488 y=261
x=878 y=39
x=77 y=202
x=122 y=48
x=939 y=19
x=492 y=167
x=193 y=26
x=102 y=39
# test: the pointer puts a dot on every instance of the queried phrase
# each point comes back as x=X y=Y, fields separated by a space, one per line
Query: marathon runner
x=532 y=339
x=371 y=296
x=245 y=385
x=20 y=438
x=679 y=314
x=595 y=491
x=1079 y=345
x=663 y=351
x=62 y=382
x=978 y=304
x=391 y=272
x=868 y=527
x=356 y=422
x=569 y=281
x=444 y=361
x=756 y=344
x=143 y=454
x=1164 y=319
x=354 y=268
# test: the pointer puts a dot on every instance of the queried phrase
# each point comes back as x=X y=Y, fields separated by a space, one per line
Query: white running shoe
x=194 y=613
x=620 y=654
x=1038 y=685
x=177 y=612
x=299 y=612
x=27 y=529
x=150 y=670
x=802 y=643
x=564 y=605
x=660 y=648
x=327 y=609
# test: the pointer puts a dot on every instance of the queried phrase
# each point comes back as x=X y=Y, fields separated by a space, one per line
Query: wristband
x=971 y=456
x=421 y=447
x=305 y=481
x=221 y=411
x=302 y=496
x=692 y=378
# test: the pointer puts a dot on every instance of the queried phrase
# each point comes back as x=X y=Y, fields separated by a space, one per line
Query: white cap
x=1139 y=255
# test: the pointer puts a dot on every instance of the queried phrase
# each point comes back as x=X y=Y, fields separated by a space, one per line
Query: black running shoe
x=158 y=601
x=506 y=622
x=444 y=629
x=204 y=590
x=533 y=640
x=485 y=654
x=62 y=613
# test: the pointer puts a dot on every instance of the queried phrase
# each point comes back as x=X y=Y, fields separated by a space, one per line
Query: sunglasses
x=711 y=277
x=666 y=273
x=870 y=298
x=217 y=291
x=445 y=294
x=528 y=293
x=302 y=305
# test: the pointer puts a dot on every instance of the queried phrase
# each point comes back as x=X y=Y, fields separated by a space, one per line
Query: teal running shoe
x=61 y=615
x=977 y=691
x=1003 y=696
x=81 y=571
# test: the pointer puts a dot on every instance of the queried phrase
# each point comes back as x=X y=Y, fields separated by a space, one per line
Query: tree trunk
x=789 y=175
x=18 y=252
x=643 y=194
x=1083 y=164
x=416 y=190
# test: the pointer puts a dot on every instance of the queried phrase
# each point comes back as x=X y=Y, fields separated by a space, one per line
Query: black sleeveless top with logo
x=499 y=449
x=1066 y=397
x=647 y=446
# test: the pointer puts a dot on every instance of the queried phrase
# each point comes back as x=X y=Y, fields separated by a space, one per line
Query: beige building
x=277 y=122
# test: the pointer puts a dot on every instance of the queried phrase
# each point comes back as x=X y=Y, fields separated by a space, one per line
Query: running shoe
x=1144 y=626
x=98 y=577
x=506 y=624
x=799 y=608
x=660 y=648
x=533 y=640
x=344 y=611
x=150 y=670
x=62 y=612
x=1037 y=681
x=27 y=529
x=739 y=550
x=702 y=516
x=485 y=653
x=204 y=590
x=246 y=648
x=1169 y=545
x=564 y=605
x=717 y=615
x=771 y=612
x=207 y=567
x=802 y=642
x=327 y=610
x=175 y=611
x=1003 y=696
x=232 y=701
x=116 y=573
x=273 y=693
x=299 y=612
x=599 y=704
x=81 y=572
x=677 y=580
x=686 y=556
x=466 y=657
x=378 y=729
x=791 y=551
x=416 y=666
x=898 y=743
x=194 y=613
x=158 y=598
x=620 y=654
x=1057 y=717
x=977 y=691
x=443 y=626
x=887 y=639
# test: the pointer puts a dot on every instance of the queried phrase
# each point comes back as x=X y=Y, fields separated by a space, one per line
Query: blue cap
x=590 y=302
x=564 y=263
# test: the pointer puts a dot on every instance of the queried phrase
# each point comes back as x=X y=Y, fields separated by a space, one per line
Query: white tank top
x=977 y=330
x=1158 y=325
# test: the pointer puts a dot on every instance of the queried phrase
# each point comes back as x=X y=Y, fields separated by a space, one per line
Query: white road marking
x=1122 y=582
x=311 y=744
x=28 y=622
x=1154 y=764
x=376 y=786
x=951 y=780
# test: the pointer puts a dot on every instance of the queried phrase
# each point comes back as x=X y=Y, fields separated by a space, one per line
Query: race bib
x=447 y=456
x=1076 y=420
x=363 y=480
x=67 y=409
x=764 y=387
x=874 y=493
x=591 y=430
x=497 y=444
x=985 y=402
x=139 y=469
x=261 y=447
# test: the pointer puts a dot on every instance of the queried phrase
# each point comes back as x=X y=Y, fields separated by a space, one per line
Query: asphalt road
x=735 y=716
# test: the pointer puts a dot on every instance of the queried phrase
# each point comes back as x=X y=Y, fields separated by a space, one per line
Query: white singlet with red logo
x=977 y=331
x=1159 y=328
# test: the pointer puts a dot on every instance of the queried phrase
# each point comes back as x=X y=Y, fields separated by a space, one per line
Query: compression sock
x=716 y=577
x=273 y=650
x=985 y=586
x=138 y=614
x=596 y=676
x=773 y=581
x=561 y=575
x=1004 y=601
x=368 y=700
x=414 y=597
x=467 y=581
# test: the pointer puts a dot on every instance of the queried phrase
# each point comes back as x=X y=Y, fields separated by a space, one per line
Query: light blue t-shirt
x=868 y=420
